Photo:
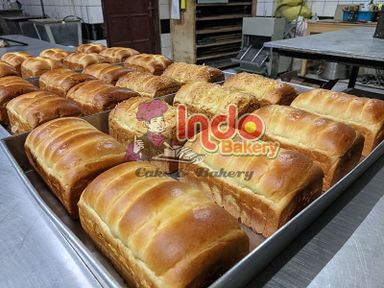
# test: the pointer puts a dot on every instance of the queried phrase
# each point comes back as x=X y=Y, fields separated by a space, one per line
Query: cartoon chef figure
x=153 y=143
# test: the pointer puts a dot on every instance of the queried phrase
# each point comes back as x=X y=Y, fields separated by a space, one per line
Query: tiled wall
x=166 y=41
x=321 y=7
x=89 y=10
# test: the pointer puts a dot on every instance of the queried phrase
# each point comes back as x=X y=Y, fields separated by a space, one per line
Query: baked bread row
x=158 y=232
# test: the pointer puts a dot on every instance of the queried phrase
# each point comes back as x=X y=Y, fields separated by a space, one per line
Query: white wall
x=89 y=10
x=166 y=40
x=321 y=7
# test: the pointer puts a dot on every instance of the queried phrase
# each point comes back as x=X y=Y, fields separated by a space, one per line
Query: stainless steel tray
x=262 y=250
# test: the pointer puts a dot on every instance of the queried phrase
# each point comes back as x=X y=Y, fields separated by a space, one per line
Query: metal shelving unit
x=210 y=33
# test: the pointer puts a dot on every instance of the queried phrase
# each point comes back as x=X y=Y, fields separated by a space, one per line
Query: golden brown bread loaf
x=267 y=91
x=30 y=110
x=11 y=87
x=273 y=191
x=364 y=114
x=16 y=59
x=117 y=54
x=68 y=153
x=59 y=81
x=106 y=72
x=335 y=146
x=96 y=96
x=148 y=85
x=90 y=48
x=213 y=99
x=79 y=61
x=7 y=70
x=184 y=73
x=56 y=54
x=159 y=232
x=34 y=67
x=124 y=127
x=152 y=63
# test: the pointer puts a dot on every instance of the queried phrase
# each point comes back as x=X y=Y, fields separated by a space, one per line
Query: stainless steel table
x=32 y=254
x=35 y=46
x=356 y=47
x=343 y=248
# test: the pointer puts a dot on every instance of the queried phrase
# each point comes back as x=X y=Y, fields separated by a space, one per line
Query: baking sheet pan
x=262 y=250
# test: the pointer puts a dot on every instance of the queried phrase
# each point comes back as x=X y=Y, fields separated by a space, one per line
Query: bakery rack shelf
x=216 y=55
x=203 y=27
x=246 y=3
x=218 y=43
x=219 y=29
x=222 y=17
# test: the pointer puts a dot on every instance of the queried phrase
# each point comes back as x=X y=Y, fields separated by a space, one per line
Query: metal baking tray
x=262 y=250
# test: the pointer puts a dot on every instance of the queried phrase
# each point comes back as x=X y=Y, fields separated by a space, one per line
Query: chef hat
x=148 y=110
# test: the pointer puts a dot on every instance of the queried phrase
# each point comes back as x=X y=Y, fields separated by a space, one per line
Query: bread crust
x=265 y=201
x=68 y=153
x=106 y=72
x=79 y=61
x=363 y=114
x=7 y=70
x=36 y=66
x=149 y=85
x=90 y=48
x=118 y=54
x=11 y=87
x=213 y=99
x=267 y=91
x=124 y=126
x=15 y=59
x=152 y=63
x=59 y=81
x=185 y=73
x=30 y=110
x=96 y=96
x=335 y=146
x=193 y=242
x=55 y=54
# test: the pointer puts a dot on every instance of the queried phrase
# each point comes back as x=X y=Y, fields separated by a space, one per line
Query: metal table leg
x=353 y=77
x=275 y=57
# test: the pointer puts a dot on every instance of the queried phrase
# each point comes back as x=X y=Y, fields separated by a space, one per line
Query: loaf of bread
x=117 y=54
x=106 y=72
x=79 y=61
x=68 y=153
x=149 y=85
x=184 y=73
x=90 y=48
x=96 y=96
x=56 y=54
x=152 y=63
x=159 y=232
x=34 y=67
x=30 y=110
x=264 y=192
x=125 y=124
x=59 y=81
x=364 y=114
x=335 y=146
x=267 y=91
x=213 y=99
x=11 y=87
x=7 y=70
x=16 y=59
